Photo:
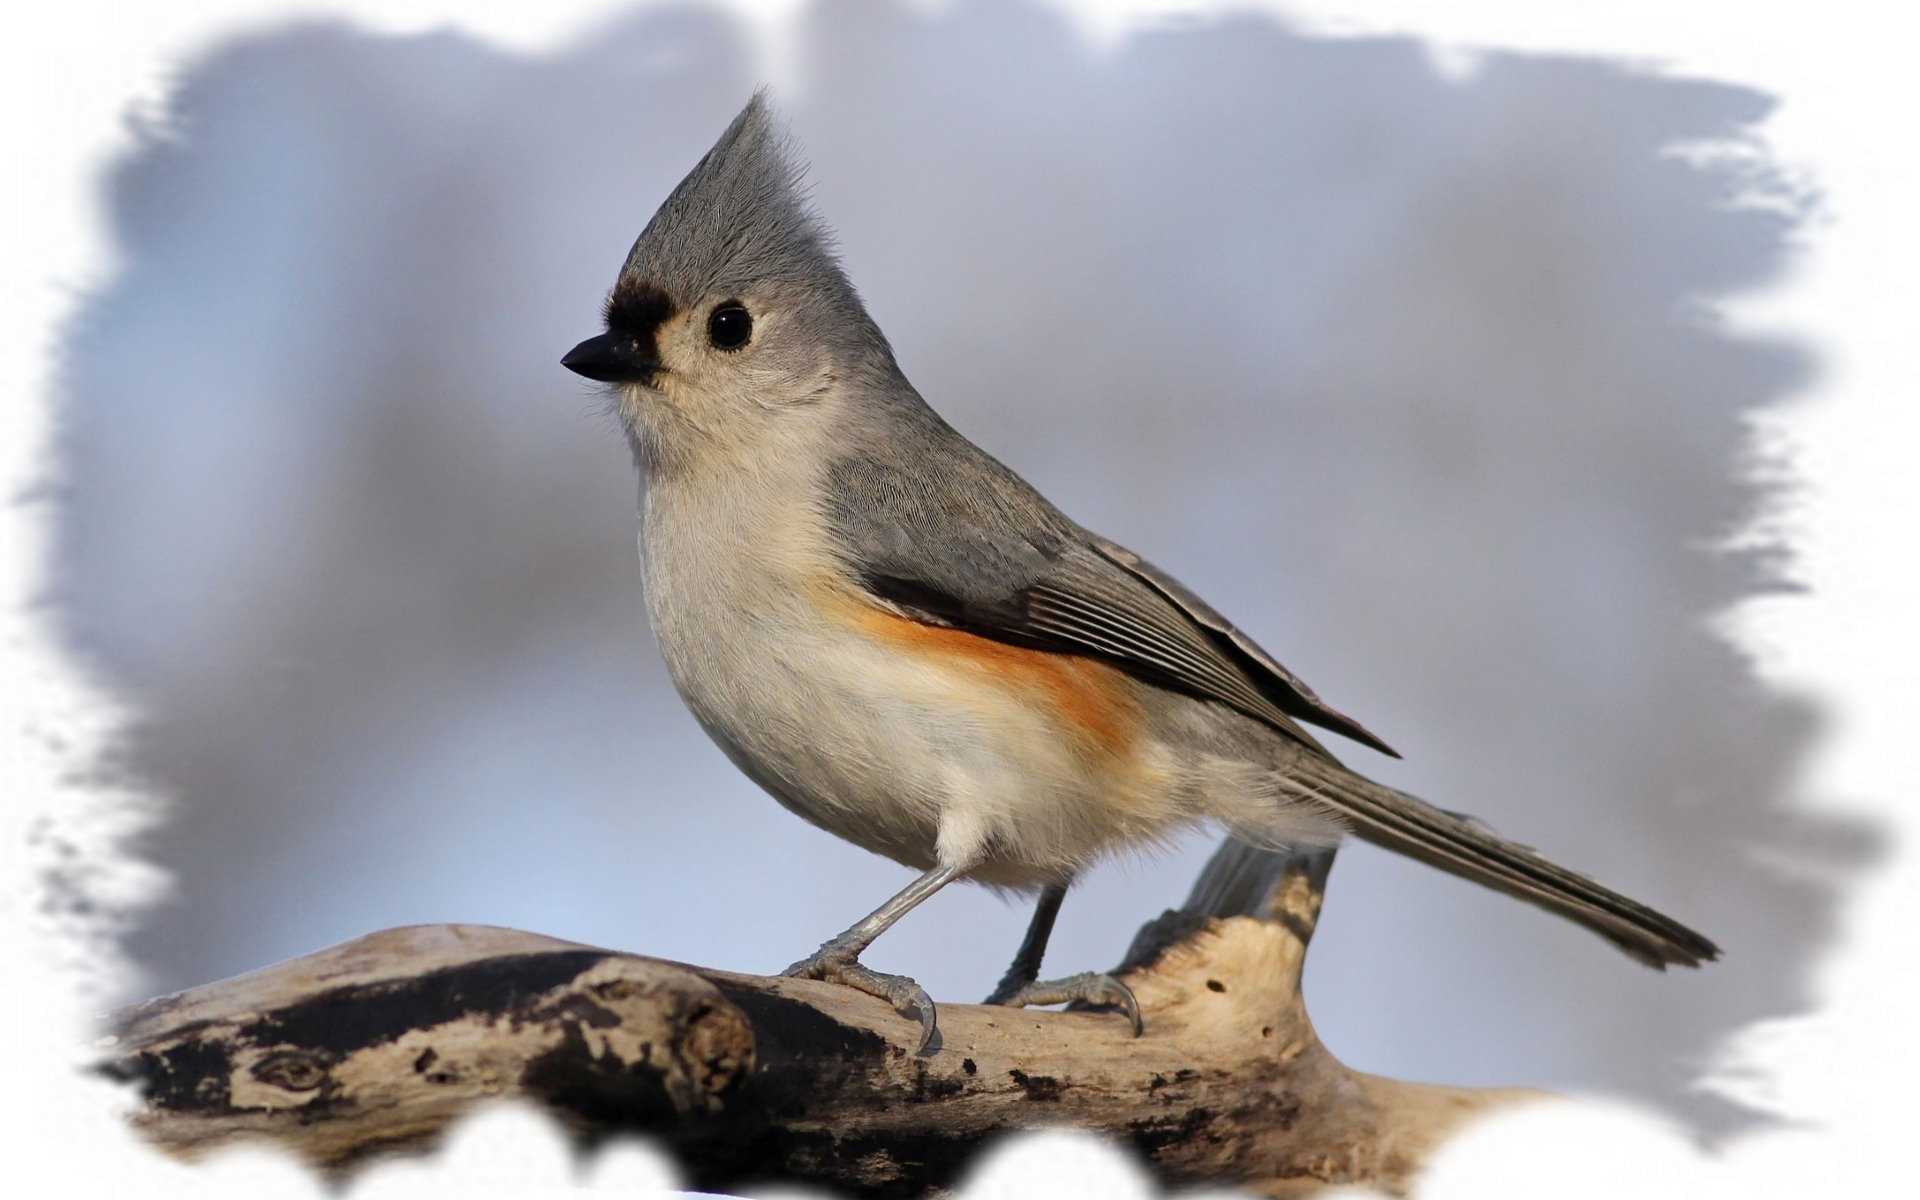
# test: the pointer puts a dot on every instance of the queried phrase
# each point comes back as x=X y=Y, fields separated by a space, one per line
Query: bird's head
x=731 y=325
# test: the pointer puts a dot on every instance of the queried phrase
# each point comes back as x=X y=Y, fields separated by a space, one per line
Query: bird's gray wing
x=1285 y=688
x=969 y=545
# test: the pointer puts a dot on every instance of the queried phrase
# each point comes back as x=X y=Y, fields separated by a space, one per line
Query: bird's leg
x=1025 y=967
x=1018 y=987
x=838 y=959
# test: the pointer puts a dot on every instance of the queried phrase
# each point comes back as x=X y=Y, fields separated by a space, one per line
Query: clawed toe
x=1090 y=988
x=907 y=997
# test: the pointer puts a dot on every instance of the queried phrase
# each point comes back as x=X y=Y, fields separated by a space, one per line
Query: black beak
x=613 y=358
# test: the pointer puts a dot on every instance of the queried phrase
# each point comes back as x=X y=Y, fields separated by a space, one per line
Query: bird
x=905 y=644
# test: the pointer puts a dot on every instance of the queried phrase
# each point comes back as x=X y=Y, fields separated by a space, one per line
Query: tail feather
x=1464 y=847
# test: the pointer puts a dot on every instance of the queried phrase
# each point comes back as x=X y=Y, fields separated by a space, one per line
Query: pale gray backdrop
x=1410 y=376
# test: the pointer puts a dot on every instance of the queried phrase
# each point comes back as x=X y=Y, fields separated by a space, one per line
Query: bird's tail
x=1465 y=847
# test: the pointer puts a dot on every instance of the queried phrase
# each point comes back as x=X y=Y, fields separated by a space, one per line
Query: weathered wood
x=374 y=1046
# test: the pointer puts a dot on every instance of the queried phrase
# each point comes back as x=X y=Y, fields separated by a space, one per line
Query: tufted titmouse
x=908 y=646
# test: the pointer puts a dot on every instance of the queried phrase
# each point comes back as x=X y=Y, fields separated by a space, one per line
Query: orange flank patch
x=1084 y=694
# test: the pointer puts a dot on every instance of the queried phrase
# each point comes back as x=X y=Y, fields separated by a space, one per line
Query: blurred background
x=1410 y=371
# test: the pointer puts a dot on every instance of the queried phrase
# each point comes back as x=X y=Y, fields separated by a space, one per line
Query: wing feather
x=1289 y=691
x=961 y=541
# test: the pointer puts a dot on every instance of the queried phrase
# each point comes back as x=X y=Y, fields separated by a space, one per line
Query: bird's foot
x=1088 y=988
x=837 y=964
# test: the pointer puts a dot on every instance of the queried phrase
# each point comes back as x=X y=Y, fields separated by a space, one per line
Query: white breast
x=913 y=752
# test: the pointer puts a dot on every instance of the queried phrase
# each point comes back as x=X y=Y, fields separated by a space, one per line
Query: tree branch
x=376 y=1045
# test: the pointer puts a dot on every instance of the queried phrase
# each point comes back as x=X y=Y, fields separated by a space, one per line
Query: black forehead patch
x=637 y=307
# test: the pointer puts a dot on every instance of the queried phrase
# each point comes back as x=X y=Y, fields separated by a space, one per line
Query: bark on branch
x=374 y=1046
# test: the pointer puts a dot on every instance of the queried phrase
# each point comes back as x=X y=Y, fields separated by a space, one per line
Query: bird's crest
x=739 y=217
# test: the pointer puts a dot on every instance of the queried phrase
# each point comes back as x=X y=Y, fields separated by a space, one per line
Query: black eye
x=730 y=326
